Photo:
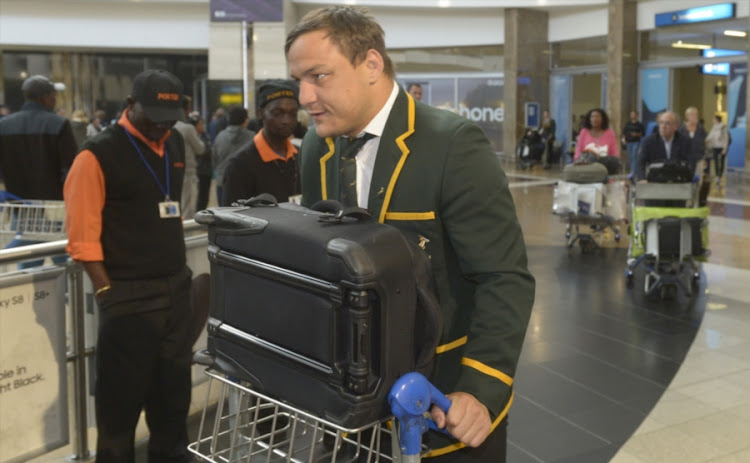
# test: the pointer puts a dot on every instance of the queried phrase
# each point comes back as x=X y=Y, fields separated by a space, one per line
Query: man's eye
x=320 y=76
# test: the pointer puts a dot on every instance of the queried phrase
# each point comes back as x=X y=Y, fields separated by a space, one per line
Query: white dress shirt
x=366 y=156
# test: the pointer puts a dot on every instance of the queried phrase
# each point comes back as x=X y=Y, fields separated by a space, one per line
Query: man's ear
x=374 y=63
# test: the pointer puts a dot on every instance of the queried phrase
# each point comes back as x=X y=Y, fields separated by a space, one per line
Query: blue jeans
x=18 y=242
x=632 y=147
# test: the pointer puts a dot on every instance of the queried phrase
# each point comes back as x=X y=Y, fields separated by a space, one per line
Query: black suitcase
x=669 y=172
x=321 y=310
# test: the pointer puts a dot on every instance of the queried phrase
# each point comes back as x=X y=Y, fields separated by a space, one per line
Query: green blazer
x=438 y=180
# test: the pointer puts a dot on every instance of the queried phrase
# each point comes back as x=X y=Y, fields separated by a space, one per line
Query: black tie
x=348 y=165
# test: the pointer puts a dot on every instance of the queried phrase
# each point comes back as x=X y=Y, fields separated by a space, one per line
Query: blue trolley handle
x=410 y=398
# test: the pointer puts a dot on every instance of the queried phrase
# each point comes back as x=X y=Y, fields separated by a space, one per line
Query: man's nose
x=306 y=94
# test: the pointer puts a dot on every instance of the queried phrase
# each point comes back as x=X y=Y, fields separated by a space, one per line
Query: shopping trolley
x=248 y=426
x=30 y=220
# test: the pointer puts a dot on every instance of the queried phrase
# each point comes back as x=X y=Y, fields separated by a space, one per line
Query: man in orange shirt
x=268 y=163
x=125 y=227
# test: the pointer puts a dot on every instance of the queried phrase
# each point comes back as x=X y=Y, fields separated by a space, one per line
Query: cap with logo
x=37 y=86
x=277 y=88
x=160 y=95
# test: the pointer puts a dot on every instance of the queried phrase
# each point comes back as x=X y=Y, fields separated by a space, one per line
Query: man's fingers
x=438 y=416
x=468 y=420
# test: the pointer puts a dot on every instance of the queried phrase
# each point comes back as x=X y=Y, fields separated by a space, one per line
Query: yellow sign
x=230 y=98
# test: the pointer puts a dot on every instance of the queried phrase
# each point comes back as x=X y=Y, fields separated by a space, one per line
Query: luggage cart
x=262 y=429
x=33 y=220
x=668 y=240
x=589 y=215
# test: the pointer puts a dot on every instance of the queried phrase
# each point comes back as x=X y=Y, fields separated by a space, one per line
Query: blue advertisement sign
x=246 y=10
x=532 y=117
x=716 y=69
x=654 y=95
x=719 y=52
x=737 y=114
x=560 y=108
x=695 y=15
x=479 y=99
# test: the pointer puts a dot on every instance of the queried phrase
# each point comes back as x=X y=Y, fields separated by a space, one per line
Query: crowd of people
x=689 y=143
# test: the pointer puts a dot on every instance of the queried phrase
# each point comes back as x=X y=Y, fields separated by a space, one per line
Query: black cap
x=37 y=86
x=277 y=88
x=160 y=95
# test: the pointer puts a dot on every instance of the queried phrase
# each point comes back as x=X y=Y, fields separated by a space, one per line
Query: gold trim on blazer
x=460 y=445
x=404 y=153
x=323 y=160
x=410 y=215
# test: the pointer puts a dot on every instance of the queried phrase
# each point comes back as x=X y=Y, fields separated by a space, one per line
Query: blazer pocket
x=422 y=229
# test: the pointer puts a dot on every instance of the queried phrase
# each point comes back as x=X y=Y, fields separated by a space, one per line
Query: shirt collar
x=156 y=146
x=377 y=124
x=267 y=154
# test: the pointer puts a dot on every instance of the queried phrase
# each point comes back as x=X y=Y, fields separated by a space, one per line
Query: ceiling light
x=692 y=46
x=444 y=3
x=735 y=33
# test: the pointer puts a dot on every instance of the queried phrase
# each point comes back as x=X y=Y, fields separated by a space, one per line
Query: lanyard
x=153 y=174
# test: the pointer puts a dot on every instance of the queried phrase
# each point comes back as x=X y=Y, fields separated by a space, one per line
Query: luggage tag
x=169 y=209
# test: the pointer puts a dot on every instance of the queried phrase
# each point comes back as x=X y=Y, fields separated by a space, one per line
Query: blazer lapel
x=392 y=154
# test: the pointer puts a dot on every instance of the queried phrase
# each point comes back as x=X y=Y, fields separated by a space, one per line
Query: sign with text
x=532 y=118
x=247 y=10
x=695 y=15
x=33 y=380
x=477 y=97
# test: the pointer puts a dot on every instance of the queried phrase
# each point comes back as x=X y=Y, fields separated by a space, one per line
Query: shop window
x=16 y=67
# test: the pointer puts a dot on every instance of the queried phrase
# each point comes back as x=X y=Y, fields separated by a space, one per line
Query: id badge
x=169 y=209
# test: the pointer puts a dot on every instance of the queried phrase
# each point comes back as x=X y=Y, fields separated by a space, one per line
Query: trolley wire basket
x=250 y=427
x=37 y=220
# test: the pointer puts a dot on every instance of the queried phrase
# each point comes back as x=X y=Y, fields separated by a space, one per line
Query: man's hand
x=468 y=420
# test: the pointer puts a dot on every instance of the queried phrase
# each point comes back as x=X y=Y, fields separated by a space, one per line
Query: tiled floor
x=608 y=375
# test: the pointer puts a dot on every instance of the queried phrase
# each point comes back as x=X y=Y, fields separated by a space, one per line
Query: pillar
x=622 y=65
x=526 y=69
x=747 y=111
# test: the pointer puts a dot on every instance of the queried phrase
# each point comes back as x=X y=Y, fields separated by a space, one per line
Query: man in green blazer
x=435 y=176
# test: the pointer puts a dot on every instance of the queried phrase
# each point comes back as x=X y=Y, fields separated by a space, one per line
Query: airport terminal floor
x=607 y=374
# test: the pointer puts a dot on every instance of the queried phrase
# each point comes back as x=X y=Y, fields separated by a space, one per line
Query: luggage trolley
x=589 y=210
x=262 y=429
x=668 y=240
x=37 y=220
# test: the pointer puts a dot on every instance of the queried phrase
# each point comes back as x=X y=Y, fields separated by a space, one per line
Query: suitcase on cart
x=585 y=173
x=322 y=310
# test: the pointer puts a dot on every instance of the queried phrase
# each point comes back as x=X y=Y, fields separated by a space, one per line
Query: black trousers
x=204 y=187
x=143 y=362
x=493 y=450
x=719 y=159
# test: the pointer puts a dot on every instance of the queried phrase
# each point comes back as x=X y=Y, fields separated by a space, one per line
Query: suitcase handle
x=263 y=199
x=339 y=211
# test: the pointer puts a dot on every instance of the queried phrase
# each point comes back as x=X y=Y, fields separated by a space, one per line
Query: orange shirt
x=85 y=194
x=269 y=155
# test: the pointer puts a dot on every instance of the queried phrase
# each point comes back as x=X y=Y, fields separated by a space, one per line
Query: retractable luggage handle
x=410 y=398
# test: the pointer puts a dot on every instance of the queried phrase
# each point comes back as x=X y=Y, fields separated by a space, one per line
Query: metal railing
x=78 y=353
